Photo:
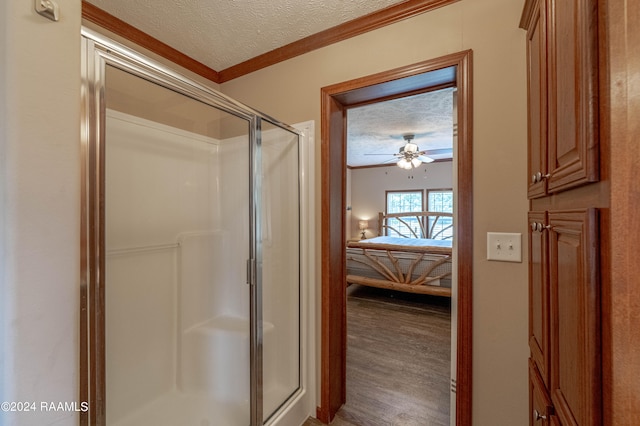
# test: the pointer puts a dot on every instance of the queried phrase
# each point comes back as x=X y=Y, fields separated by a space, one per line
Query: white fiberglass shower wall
x=194 y=292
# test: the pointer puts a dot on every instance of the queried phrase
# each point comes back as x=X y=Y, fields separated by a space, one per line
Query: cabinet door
x=537 y=93
x=572 y=158
x=575 y=312
x=539 y=294
x=540 y=407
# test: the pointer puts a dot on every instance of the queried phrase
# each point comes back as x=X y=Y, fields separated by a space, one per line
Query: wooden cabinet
x=591 y=376
x=539 y=294
x=564 y=313
x=536 y=27
x=562 y=65
x=564 y=232
x=540 y=407
x=574 y=305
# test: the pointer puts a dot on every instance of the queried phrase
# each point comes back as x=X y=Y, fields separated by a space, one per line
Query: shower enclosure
x=193 y=295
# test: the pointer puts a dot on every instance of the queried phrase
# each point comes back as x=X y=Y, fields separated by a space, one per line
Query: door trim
x=335 y=101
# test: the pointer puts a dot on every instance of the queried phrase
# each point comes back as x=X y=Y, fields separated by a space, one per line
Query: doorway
x=454 y=69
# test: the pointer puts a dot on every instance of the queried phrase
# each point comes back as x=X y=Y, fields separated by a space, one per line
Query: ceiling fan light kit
x=404 y=164
x=410 y=155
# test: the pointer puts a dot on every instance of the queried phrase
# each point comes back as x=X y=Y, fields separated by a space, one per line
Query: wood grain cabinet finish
x=563 y=86
x=575 y=349
x=536 y=25
x=564 y=317
x=540 y=407
x=539 y=294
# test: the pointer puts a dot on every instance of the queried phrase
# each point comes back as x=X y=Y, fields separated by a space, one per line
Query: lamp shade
x=363 y=224
x=404 y=164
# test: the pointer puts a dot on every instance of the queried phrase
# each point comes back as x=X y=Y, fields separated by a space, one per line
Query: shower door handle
x=251 y=271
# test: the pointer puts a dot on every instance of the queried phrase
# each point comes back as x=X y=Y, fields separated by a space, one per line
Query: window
x=401 y=202
x=441 y=200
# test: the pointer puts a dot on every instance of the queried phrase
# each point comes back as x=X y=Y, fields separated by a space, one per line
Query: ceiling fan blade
x=440 y=151
x=391 y=160
x=389 y=155
x=425 y=159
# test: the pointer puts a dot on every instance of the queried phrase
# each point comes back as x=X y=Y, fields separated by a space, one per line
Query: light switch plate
x=504 y=247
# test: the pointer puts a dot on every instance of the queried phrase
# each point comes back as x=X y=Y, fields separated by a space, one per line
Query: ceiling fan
x=410 y=155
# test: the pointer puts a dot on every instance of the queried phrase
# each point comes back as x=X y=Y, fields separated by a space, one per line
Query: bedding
x=415 y=265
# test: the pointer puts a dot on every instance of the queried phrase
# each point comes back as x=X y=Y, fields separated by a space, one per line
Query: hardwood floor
x=398 y=359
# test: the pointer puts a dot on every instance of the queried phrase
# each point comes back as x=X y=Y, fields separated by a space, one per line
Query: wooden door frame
x=335 y=101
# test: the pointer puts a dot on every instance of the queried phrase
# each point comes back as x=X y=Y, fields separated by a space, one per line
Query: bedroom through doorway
x=399 y=232
x=341 y=226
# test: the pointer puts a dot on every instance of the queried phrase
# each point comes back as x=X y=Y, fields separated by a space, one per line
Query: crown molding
x=370 y=22
x=117 y=26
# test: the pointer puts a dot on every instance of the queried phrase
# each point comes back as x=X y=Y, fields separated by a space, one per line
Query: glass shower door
x=191 y=255
x=177 y=306
x=278 y=249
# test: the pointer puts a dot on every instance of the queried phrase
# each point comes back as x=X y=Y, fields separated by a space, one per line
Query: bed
x=412 y=254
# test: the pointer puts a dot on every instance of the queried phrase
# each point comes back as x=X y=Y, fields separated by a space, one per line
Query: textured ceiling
x=222 y=33
x=375 y=132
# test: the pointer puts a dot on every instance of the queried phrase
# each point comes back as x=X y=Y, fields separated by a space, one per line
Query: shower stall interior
x=194 y=297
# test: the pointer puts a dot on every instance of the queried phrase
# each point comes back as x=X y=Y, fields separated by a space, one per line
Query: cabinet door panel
x=539 y=294
x=537 y=92
x=575 y=313
x=540 y=408
x=573 y=118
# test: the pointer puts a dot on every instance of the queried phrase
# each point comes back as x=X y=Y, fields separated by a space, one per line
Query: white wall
x=368 y=186
x=39 y=198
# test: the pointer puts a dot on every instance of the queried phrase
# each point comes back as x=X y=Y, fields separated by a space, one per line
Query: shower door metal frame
x=257 y=371
x=255 y=323
x=98 y=52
